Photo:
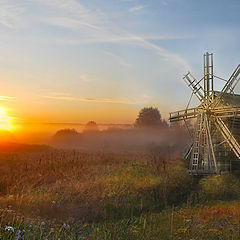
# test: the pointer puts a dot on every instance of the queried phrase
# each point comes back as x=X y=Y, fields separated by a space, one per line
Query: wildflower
x=9 y=228
x=84 y=225
x=219 y=226
x=70 y=219
x=235 y=221
x=215 y=231
x=215 y=211
x=231 y=229
x=9 y=211
x=182 y=230
x=19 y=235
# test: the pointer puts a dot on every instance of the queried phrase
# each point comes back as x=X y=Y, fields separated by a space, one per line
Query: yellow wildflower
x=182 y=230
x=215 y=231
x=235 y=221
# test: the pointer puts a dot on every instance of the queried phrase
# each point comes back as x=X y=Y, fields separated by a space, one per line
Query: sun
x=5 y=120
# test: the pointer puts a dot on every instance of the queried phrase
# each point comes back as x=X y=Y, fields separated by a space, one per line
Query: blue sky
x=75 y=60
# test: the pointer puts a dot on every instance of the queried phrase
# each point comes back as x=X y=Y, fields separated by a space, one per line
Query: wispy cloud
x=67 y=22
x=118 y=58
x=60 y=94
x=164 y=2
x=96 y=27
x=7 y=98
x=136 y=8
x=124 y=38
x=89 y=26
x=10 y=12
x=86 y=99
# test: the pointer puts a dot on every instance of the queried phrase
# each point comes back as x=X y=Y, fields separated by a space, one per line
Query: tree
x=66 y=132
x=150 y=117
x=91 y=126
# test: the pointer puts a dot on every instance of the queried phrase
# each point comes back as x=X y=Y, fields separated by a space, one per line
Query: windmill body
x=215 y=144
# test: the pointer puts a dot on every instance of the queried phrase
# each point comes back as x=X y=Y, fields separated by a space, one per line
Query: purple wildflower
x=231 y=229
x=219 y=226
x=19 y=235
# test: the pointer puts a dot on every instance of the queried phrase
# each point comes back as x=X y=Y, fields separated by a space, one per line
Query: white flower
x=9 y=228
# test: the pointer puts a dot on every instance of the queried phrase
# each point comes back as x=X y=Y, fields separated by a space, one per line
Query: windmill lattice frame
x=211 y=116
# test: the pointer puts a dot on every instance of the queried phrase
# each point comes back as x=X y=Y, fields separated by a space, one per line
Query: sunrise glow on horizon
x=5 y=120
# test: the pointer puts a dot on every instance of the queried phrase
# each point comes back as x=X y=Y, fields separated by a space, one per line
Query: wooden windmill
x=215 y=144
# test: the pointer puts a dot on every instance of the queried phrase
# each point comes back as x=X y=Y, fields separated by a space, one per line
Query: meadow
x=50 y=193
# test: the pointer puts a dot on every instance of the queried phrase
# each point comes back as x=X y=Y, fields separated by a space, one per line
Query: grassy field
x=56 y=194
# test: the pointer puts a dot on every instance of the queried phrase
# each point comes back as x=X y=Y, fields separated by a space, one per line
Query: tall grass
x=56 y=194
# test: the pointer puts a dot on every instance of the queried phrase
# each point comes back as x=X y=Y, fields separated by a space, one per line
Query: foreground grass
x=73 y=195
x=214 y=221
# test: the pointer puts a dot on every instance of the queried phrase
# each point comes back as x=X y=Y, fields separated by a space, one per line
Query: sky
x=71 y=61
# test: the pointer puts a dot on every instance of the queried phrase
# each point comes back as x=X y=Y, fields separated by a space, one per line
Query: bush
x=219 y=187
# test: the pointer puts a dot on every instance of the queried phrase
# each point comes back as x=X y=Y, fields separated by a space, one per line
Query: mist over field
x=117 y=140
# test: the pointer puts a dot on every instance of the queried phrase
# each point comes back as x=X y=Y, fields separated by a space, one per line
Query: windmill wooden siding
x=226 y=159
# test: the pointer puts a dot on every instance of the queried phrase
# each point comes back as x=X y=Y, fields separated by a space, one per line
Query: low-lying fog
x=104 y=138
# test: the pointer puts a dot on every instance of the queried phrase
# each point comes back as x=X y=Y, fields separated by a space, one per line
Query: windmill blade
x=227 y=112
x=194 y=85
x=233 y=81
x=228 y=136
x=229 y=86
x=211 y=146
x=183 y=114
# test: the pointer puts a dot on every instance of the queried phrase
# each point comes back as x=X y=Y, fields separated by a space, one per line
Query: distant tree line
x=148 y=117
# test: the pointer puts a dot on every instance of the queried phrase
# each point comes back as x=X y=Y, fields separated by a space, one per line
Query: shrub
x=219 y=187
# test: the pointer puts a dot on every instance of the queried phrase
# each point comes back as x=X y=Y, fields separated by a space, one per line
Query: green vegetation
x=53 y=194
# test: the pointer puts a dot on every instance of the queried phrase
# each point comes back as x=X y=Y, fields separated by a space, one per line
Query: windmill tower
x=215 y=144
